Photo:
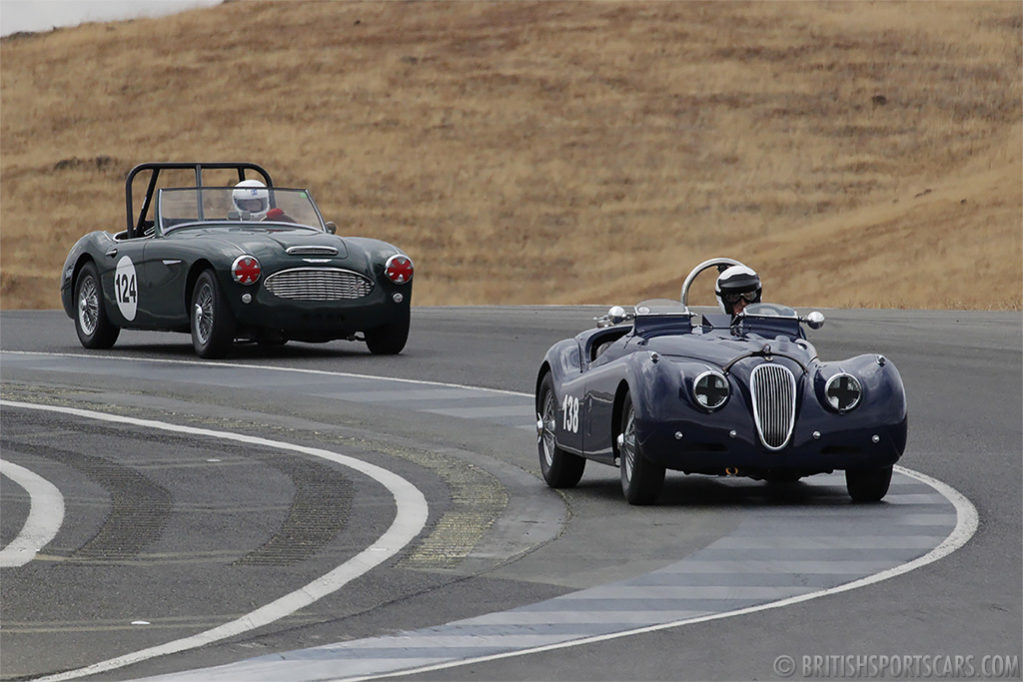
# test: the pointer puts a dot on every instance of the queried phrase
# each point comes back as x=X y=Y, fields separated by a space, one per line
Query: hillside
x=857 y=154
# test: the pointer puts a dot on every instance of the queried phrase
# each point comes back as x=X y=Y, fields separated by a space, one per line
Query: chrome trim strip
x=313 y=250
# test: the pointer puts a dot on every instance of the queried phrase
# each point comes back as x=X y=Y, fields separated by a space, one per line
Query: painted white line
x=409 y=520
x=45 y=515
x=966 y=526
x=268 y=368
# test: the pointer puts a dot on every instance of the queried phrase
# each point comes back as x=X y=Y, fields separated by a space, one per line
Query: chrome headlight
x=711 y=390
x=843 y=392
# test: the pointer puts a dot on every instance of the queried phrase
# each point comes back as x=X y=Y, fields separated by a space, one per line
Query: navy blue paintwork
x=656 y=358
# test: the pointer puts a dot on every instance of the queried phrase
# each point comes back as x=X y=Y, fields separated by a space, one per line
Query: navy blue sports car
x=739 y=394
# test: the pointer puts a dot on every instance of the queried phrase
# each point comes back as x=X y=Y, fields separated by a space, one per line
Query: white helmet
x=736 y=281
x=251 y=199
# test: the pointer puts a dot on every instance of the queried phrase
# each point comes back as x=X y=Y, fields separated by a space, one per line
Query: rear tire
x=389 y=339
x=560 y=469
x=212 y=322
x=868 y=485
x=641 y=479
x=91 y=322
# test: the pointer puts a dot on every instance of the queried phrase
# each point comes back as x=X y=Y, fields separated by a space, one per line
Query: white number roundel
x=126 y=288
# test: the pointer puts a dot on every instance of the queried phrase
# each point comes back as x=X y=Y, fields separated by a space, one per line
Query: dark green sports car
x=241 y=260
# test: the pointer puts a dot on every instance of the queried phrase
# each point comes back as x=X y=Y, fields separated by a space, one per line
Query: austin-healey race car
x=242 y=260
x=746 y=395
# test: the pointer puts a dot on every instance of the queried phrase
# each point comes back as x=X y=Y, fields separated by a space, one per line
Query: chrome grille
x=773 y=389
x=318 y=284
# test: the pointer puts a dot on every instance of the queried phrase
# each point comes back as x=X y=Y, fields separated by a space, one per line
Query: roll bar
x=137 y=227
x=721 y=263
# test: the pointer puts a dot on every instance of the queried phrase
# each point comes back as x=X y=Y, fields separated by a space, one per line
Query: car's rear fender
x=563 y=361
x=80 y=254
x=69 y=276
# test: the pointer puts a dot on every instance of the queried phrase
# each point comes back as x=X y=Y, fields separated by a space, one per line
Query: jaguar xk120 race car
x=240 y=260
x=665 y=388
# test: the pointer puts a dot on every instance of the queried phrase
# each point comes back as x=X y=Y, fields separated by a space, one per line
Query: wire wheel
x=212 y=323
x=641 y=478
x=203 y=311
x=560 y=469
x=628 y=454
x=88 y=304
x=94 y=328
x=547 y=425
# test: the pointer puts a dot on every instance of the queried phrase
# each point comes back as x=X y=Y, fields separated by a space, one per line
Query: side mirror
x=331 y=226
x=814 y=320
x=616 y=315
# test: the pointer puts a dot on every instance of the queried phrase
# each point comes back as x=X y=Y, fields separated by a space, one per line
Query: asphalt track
x=503 y=565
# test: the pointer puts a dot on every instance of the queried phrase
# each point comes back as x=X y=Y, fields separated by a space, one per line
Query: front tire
x=212 y=322
x=389 y=339
x=560 y=469
x=868 y=485
x=641 y=479
x=91 y=322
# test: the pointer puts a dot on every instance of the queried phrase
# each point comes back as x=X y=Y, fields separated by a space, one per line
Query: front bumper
x=815 y=447
x=318 y=320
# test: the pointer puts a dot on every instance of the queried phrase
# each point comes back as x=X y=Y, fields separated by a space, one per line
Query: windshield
x=770 y=310
x=661 y=306
x=181 y=206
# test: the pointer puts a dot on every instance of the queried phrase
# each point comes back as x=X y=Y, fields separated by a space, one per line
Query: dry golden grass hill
x=858 y=154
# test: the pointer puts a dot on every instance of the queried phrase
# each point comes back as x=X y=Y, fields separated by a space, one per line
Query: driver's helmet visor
x=748 y=296
x=253 y=205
